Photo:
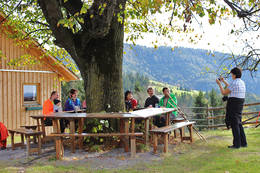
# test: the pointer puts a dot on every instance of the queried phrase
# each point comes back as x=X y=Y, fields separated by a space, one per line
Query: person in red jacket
x=3 y=136
x=130 y=102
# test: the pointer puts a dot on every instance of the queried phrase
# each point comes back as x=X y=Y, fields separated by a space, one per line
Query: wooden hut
x=23 y=89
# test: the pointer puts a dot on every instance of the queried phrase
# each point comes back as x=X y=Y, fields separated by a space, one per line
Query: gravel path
x=114 y=159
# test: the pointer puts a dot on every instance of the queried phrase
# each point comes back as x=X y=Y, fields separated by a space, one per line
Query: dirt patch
x=112 y=159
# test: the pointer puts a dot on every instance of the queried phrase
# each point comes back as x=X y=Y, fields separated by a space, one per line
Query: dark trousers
x=234 y=115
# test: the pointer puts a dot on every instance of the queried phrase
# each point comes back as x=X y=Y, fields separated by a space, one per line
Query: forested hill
x=184 y=67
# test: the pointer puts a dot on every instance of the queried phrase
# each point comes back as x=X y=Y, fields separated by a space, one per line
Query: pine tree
x=200 y=101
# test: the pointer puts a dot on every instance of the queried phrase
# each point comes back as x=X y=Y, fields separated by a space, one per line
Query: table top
x=144 y=113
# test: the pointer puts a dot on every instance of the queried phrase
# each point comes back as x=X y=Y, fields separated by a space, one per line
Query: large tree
x=92 y=33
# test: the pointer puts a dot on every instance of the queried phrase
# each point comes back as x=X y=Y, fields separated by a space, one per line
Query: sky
x=215 y=37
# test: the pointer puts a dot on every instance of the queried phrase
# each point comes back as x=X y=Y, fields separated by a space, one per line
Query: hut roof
x=52 y=62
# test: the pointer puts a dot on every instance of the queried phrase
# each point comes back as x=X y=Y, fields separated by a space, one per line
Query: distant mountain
x=184 y=67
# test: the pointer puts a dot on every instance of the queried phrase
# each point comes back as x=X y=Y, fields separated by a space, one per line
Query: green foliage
x=201 y=102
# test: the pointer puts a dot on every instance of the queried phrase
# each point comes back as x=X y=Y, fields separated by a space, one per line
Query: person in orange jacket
x=48 y=107
x=3 y=136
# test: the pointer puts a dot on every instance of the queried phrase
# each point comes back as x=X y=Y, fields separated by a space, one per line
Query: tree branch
x=73 y=6
x=98 y=18
x=64 y=36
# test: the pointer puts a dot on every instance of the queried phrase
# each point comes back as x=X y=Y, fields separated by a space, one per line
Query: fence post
x=207 y=111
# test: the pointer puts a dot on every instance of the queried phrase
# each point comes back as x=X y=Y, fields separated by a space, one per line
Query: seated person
x=168 y=101
x=57 y=106
x=3 y=136
x=48 y=107
x=84 y=104
x=152 y=100
x=130 y=102
x=72 y=103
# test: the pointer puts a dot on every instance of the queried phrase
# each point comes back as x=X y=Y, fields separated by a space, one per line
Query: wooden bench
x=27 y=134
x=167 y=129
x=33 y=127
x=60 y=135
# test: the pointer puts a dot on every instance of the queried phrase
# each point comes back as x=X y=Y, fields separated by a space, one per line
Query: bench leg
x=165 y=136
x=133 y=146
x=39 y=144
x=155 y=143
x=12 y=140
x=28 y=145
x=22 y=140
x=191 y=133
x=181 y=134
x=81 y=139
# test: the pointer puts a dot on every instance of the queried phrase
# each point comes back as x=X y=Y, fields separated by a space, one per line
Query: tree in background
x=215 y=100
x=201 y=102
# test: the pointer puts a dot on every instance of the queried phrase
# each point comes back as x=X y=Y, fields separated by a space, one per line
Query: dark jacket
x=151 y=101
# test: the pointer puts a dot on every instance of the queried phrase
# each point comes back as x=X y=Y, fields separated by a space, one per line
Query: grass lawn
x=200 y=157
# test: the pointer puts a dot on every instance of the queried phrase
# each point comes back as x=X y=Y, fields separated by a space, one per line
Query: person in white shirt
x=236 y=91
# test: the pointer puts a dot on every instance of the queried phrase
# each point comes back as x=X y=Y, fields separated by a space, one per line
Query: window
x=31 y=93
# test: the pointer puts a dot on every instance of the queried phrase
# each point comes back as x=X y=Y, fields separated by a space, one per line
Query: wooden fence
x=213 y=117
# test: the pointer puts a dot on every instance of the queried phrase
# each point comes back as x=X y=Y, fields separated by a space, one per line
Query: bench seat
x=94 y=134
x=167 y=129
x=27 y=133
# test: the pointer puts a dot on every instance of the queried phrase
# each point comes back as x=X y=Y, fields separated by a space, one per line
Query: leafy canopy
x=138 y=16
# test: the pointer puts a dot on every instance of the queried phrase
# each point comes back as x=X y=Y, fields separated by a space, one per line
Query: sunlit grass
x=200 y=157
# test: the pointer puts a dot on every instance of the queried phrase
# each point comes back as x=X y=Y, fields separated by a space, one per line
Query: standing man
x=236 y=91
x=152 y=100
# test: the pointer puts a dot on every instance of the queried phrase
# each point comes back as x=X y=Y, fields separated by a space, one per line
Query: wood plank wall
x=12 y=110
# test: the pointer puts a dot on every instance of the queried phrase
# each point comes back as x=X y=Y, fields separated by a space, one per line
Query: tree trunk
x=102 y=70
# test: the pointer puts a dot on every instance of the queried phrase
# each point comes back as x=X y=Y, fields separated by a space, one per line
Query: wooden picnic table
x=145 y=114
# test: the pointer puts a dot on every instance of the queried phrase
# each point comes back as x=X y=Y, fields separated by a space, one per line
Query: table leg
x=81 y=126
x=133 y=138
x=58 y=141
x=146 y=128
x=132 y=125
x=39 y=145
x=121 y=130
x=167 y=119
x=126 y=130
x=72 y=130
x=43 y=129
x=38 y=125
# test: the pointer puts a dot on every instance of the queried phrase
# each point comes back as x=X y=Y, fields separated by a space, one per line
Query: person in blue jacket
x=72 y=102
